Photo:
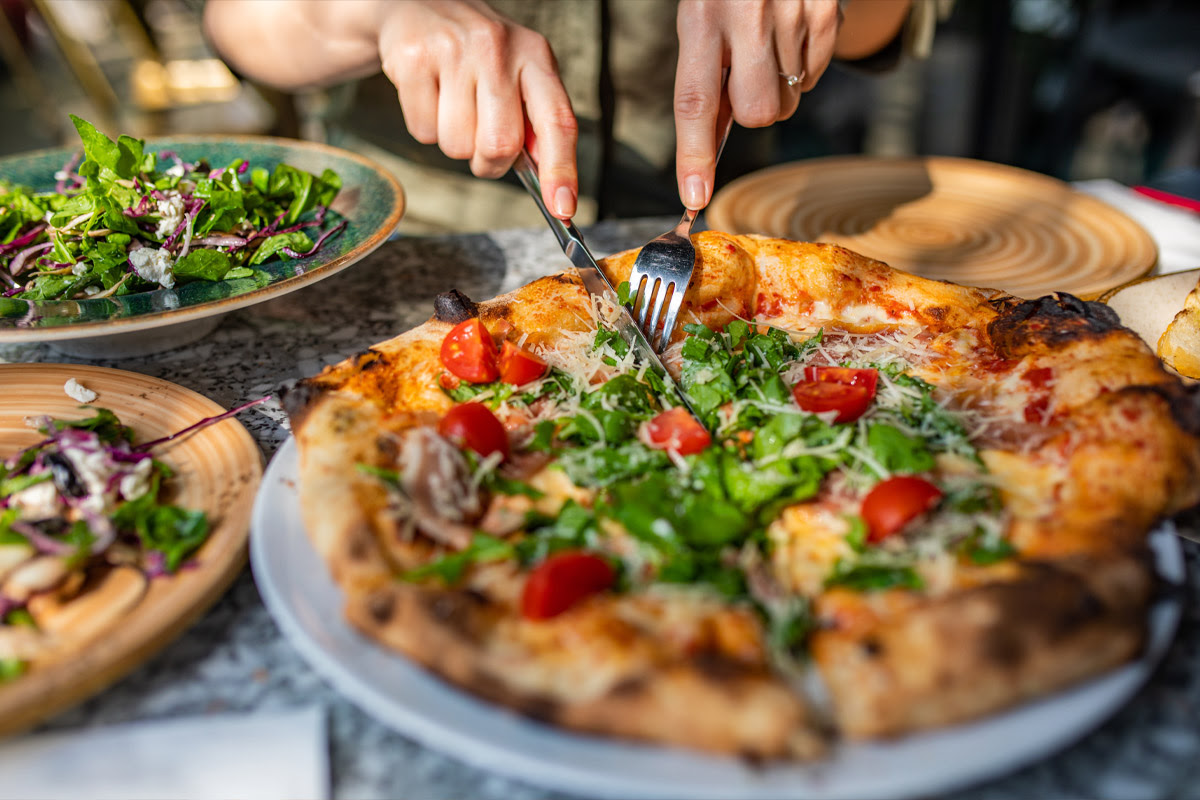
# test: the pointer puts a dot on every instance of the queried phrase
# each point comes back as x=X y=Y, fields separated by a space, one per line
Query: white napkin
x=1175 y=230
x=268 y=755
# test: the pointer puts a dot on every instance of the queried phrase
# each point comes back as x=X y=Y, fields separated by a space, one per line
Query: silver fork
x=665 y=264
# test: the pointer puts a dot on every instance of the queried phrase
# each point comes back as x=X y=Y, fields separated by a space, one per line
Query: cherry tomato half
x=849 y=401
x=867 y=378
x=473 y=425
x=893 y=503
x=678 y=431
x=469 y=352
x=562 y=580
x=518 y=366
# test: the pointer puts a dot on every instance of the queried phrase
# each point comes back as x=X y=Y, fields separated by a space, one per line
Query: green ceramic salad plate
x=102 y=242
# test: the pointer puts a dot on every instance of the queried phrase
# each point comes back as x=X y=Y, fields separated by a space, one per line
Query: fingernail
x=564 y=202
x=693 y=192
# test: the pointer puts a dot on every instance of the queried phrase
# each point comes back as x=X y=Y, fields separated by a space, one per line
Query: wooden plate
x=217 y=470
x=971 y=222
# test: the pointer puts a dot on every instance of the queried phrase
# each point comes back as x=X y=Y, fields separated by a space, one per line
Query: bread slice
x=1179 y=346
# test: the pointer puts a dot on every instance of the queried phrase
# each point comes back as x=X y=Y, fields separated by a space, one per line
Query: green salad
x=122 y=219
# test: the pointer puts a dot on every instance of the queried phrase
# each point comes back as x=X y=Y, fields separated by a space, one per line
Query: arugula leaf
x=939 y=428
x=624 y=392
x=865 y=575
x=468 y=391
x=625 y=293
x=856 y=537
x=543 y=437
x=612 y=339
x=450 y=568
x=174 y=531
x=600 y=466
x=498 y=484
x=10 y=486
x=789 y=624
x=573 y=528
x=389 y=476
x=616 y=427
x=103 y=423
x=7 y=534
x=897 y=451
x=20 y=617
x=750 y=487
x=11 y=669
x=661 y=512
x=974 y=498
x=983 y=549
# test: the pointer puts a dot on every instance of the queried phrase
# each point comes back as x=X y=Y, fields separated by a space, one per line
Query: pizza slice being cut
x=922 y=493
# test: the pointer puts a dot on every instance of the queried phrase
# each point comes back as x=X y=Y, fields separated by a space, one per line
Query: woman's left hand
x=763 y=42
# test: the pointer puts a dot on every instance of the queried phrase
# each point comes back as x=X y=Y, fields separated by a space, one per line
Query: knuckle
x=459 y=151
x=499 y=146
x=488 y=168
x=691 y=104
x=560 y=121
x=490 y=38
x=759 y=113
x=425 y=134
x=537 y=48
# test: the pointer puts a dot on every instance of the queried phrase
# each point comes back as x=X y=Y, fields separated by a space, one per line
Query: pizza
x=896 y=504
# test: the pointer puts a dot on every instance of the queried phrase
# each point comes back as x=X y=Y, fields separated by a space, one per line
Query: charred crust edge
x=1183 y=402
x=454 y=307
x=298 y=399
x=1054 y=319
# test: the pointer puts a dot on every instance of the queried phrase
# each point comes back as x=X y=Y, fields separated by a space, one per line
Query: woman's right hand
x=467 y=79
x=471 y=81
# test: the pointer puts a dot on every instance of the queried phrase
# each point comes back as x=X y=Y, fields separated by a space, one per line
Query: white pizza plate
x=307 y=605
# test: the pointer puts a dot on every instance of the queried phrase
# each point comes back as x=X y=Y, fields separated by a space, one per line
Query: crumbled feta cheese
x=153 y=265
x=61 y=175
x=79 y=268
x=175 y=171
x=93 y=468
x=91 y=291
x=171 y=209
x=136 y=483
x=39 y=501
x=77 y=391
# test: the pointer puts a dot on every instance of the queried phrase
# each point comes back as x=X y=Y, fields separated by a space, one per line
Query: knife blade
x=594 y=279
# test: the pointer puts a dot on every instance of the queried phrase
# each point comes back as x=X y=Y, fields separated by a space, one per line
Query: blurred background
x=1072 y=88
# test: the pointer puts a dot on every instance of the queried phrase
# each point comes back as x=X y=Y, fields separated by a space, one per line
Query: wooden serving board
x=217 y=470
x=955 y=219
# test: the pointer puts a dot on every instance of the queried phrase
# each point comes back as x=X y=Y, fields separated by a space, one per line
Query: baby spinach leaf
x=204 y=265
x=296 y=240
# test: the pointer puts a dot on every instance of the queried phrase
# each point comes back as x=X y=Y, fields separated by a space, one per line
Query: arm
x=762 y=41
x=467 y=77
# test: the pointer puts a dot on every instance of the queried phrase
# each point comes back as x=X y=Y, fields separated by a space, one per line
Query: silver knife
x=594 y=279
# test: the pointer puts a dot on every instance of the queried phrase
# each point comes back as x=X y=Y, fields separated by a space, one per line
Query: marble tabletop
x=235 y=659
